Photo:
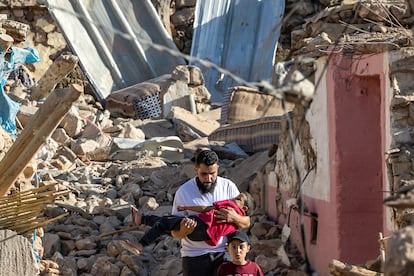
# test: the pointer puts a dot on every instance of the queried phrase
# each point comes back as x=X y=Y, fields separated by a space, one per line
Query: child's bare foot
x=132 y=247
x=136 y=216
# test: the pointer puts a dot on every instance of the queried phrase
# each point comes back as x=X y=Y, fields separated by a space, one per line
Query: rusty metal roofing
x=113 y=40
x=238 y=35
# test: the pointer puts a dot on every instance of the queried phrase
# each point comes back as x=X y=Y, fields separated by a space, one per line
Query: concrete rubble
x=78 y=157
x=102 y=189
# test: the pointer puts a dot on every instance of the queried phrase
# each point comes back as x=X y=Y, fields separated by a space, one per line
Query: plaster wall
x=316 y=185
x=355 y=154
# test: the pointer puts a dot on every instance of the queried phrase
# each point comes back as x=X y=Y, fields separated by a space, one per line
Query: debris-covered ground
x=85 y=156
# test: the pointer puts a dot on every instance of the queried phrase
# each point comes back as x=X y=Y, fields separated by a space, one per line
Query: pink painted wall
x=355 y=153
x=350 y=220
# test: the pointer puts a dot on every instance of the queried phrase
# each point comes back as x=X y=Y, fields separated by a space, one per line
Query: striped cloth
x=252 y=135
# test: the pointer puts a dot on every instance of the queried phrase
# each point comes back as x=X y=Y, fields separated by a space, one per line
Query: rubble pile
x=359 y=27
x=40 y=32
x=77 y=156
x=108 y=163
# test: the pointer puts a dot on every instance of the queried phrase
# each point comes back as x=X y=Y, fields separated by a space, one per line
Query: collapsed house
x=351 y=144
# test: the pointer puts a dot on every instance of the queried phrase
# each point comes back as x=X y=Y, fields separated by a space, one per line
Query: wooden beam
x=42 y=125
x=118 y=231
x=59 y=69
x=342 y=269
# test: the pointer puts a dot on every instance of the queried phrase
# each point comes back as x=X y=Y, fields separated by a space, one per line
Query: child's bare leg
x=136 y=216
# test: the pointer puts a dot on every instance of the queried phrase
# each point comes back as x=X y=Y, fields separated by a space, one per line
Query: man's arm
x=188 y=225
x=199 y=209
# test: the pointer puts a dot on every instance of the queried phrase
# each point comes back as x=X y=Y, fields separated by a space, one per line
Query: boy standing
x=238 y=246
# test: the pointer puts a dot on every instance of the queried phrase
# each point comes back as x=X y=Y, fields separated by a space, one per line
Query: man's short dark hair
x=206 y=157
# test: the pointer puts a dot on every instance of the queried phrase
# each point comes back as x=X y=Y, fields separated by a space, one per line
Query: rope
x=37 y=257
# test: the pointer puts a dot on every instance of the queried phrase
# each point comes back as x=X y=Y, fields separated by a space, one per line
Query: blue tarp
x=8 y=107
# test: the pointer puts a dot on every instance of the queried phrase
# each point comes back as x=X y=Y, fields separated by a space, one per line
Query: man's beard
x=203 y=189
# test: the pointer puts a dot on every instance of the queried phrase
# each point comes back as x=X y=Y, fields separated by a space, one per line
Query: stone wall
x=43 y=35
x=287 y=179
x=400 y=160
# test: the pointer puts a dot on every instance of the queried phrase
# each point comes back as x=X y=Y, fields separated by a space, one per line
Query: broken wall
x=337 y=148
x=343 y=175
x=399 y=155
x=43 y=35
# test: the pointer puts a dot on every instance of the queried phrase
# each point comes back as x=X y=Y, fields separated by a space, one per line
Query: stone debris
x=78 y=156
x=398 y=253
x=360 y=27
x=403 y=198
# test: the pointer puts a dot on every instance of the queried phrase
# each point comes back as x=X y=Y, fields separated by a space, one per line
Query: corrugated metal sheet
x=238 y=35
x=112 y=39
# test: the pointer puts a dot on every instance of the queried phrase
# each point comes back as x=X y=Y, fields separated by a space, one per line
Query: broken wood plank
x=41 y=223
x=339 y=268
x=59 y=69
x=118 y=231
x=74 y=209
x=17 y=30
x=44 y=122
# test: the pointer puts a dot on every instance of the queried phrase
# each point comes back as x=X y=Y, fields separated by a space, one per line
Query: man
x=199 y=258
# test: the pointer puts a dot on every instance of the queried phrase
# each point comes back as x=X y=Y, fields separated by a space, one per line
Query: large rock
x=197 y=123
x=51 y=244
x=16 y=257
x=399 y=253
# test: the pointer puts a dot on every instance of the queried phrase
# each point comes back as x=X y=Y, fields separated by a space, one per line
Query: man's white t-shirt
x=188 y=194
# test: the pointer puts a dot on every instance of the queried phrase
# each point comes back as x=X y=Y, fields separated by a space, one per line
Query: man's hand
x=229 y=215
x=187 y=226
x=226 y=215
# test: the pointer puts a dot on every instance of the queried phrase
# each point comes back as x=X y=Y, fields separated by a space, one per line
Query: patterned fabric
x=252 y=136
